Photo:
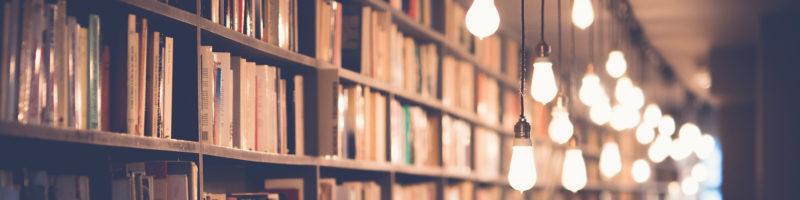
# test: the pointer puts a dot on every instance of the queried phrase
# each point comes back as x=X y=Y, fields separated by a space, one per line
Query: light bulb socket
x=522 y=129
x=542 y=49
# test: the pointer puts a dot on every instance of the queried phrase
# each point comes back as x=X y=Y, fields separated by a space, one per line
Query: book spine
x=105 y=89
x=72 y=56
x=142 y=76
x=93 y=102
x=151 y=114
x=10 y=65
x=299 y=122
x=82 y=79
x=159 y=106
x=132 y=77
x=47 y=70
x=168 y=78
x=205 y=96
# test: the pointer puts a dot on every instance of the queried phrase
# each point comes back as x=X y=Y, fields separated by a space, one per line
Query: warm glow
x=632 y=117
x=640 y=171
x=652 y=115
x=560 y=128
x=600 y=113
x=543 y=86
x=616 y=64
x=610 y=161
x=689 y=186
x=482 y=18
x=635 y=98
x=705 y=146
x=573 y=174
x=623 y=88
x=700 y=172
x=666 y=125
x=645 y=134
x=660 y=148
x=582 y=13
x=591 y=92
x=690 y=132
x=681 y=148
x=522 y=170
x=674 y=190
x=623 y=117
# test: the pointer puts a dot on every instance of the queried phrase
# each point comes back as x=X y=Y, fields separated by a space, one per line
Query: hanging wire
x=522 y=65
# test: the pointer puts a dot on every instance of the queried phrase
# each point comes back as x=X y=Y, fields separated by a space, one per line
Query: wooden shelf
x=100 y=138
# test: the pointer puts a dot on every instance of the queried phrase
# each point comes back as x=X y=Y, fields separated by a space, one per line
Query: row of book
x=73 y=77
x=488 y=99
x=39 y=184
x=487 y=152
x=169 y=180
x=456 y=144
x=248 y=106
x=348 y=190
x=361 y=133
x=418 y=10
x=271 y=21
x=414 y=135
x=458 y=83
x=416 y=191
x=274 y=189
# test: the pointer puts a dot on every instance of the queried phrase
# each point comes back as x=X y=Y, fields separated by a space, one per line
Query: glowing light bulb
x=690 y=132
x=632 y=117
x=674 y=190
x=640 y=171
x=522 y=169
x=560 y=128
x=616 y=64
x=705 y=147
x=660 y=148
x=601 y=113
x=635 y=98
x=666 y=125
x=645 y=134
x=582 y=13
x=573 y=174
x=689 y=186
x=610 y=160
x=543 y=86
x=482 y=18
x=622 y=90
x=652 y=115
x=591 y=92
x=700 y=172
x=618 y=117
x=681 y=148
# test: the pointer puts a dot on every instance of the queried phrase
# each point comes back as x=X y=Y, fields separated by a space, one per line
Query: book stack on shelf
x=458 y=86
x=456 y=144
x=270 y=21
x=155 y=180
x=66 y=78
x=459 y=191
x=414 y=135
x=361 y=134
x=244 y=105
x=39 y=184
x=487 y=193
x=352 y=190
x=418 y=10
x=417 y=191
x=487 y=152
x=274 y=189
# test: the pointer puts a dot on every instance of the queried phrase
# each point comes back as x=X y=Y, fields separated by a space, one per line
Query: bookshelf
x=212 y=159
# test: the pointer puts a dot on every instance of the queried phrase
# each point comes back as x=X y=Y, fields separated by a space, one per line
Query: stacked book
x=459 y=191
x=488 y=52
x=348 y=190
x=487 y=193
x=487 y=152
x=39 y=184
x=248 y=106
x=458 y=86
x=414 y=136
x=72 y=77
x=417 y=191
x=274 y=189
x=488 y=99
x=271 y=21
x=418 y=10
x=155 y=180
x=362 y=119
x=455 y=28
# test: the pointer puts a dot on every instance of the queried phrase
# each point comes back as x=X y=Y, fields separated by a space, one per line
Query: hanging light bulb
x=560 y=128
x=666 y=125
x=616 y=64
x=635 y=98
x=705 y=147
x=632 y=117
x=690 y=132
x=622 y=90
x=582 y=13
x=644 y=134
x=610 y=161
x=660 y=148
x=591 y=92
x=482 y=18
x=522 y=169
x=573 y=174
x=680 y=149
x=618 y=117
x=700 y=172
x=652 y=115
x=543 y=86
x=640 y=171
x=600 y=113
x=689 y=186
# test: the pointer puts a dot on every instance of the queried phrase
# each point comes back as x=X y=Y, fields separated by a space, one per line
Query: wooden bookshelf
x=222 y=38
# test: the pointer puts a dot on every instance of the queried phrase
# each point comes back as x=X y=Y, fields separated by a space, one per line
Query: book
x=223 y=100
x=143 y=31
x=152 y=128
x=167 y=88
x=487 y=150
x=94 y=77
x=417 y=191
x=326 y=189
x=127 y=116
x=8 y=61
x=31 y=30
x=261 y=139
x=82 y=80
x=243 y=93
x=205 y=79
x=291 y=188
x=298 y=110
x=105 y=89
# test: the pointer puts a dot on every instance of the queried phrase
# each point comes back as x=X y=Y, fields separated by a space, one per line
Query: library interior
x=399 y=99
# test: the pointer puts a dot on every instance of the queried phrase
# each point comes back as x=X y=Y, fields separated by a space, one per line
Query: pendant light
x=666 y=125
x=522 y=169
x=482 y=18
x=645 y=134
x=601 y=113
x=640 y=171
x=573 y=173
x=705 y=147
x=652 y=115
x=660 y=148
x=610 y=160
x=582 y=13
x=616 y=64
x=560 y=128
x=543 y=83
x=591 y=92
